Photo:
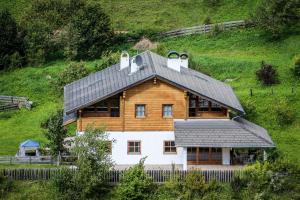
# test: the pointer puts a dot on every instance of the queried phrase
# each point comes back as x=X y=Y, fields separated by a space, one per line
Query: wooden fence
x=63 y=160
x=115 y=176
x=203 y=29
x=13 y=102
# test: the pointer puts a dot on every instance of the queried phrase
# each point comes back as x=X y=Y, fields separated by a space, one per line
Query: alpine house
x=159 y=108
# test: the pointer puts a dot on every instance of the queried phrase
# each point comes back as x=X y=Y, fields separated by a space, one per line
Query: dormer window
x=216 y=107
x=203 y=105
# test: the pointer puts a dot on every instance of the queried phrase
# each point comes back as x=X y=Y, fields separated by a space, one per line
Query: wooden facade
x=153 y=94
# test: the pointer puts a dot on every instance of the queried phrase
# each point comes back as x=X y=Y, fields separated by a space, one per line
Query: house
x=160 y=108
x=28 y=148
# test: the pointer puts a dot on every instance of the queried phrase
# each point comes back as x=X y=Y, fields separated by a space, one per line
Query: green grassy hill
x=158 y=14
x=234 y=55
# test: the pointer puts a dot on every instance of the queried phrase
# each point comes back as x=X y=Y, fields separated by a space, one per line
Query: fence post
x=30 y=160
x=251 y=92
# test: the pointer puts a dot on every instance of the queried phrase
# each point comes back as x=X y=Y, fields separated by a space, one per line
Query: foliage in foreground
x=93 y=164
x=5 y=186
x=136 y=184
x=55 y=133
x=268 y=180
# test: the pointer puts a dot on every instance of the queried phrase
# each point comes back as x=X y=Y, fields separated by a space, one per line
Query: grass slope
x=158 y=14
x=231 y=55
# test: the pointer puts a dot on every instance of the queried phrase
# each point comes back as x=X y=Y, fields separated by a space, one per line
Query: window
x=115 y=108
x=102 y=106
x=140 y=110
x=109 y=147
x=134 y=147
x=216 y=107
x=167 y=110
x=169 y=147
x=203 y=105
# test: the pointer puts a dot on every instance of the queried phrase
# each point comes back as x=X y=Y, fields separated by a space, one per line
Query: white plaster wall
x=226 y=156
x=151 y=146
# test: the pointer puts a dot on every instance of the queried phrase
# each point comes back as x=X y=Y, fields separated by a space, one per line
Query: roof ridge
x=151 y=61
x=270 y=142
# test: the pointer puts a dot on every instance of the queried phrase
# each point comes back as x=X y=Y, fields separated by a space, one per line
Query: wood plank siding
x=153 y=94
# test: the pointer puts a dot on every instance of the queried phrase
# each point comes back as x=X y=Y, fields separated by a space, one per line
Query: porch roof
x=236 y=133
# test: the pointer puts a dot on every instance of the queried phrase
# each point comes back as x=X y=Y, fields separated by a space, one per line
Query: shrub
x=296 y=69
x=216 y=30
x=5 y=186
x=173 y=187
x=276 y=16
x=267 y=74
x=136 y=184
x=11 y=42
x=108 y=58
x=250 y=108
x=207 y=20
x=212 y=3
x=285 y=114
x=161 y=49
x=89 y=33
x=72 y=73
x=194 y=184
x=55 y=133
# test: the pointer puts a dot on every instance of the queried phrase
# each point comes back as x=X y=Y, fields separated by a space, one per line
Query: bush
x=72 y=73
x=296 y=69
x=207 y=20
x=11 y=42
x=107 y=59
x=216 y=30
x=250 y=108
x=285 y=115
x=276 y=17
x=212 y=3
x=136 y=184
x=267 y=74
x=161 y=49
x=5 y=186
x=89 y=33
x=194 y=184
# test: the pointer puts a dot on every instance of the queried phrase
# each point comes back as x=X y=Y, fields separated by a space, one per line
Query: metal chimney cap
x=173 y=54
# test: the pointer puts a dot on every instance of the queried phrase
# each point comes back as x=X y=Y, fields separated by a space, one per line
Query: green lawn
x=158 y=14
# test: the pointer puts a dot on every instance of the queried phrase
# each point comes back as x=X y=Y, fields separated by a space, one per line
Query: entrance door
x=204 y=156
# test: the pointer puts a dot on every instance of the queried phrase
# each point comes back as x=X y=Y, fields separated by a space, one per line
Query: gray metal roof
x=237 y=133
x=110 y=81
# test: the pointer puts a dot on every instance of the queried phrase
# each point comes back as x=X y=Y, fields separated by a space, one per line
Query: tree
x=93 y=165
x=136 y=184
x=72 y=73
x=276 y=16
x=56 y=132
x=89 y=33
x=11 y=42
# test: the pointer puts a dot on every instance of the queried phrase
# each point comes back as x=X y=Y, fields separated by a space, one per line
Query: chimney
x=124 y=60
x=136 y=64
x=174 y=61
x=184 y=58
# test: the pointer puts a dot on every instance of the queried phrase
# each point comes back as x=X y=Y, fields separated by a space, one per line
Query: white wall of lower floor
x=152 y=147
